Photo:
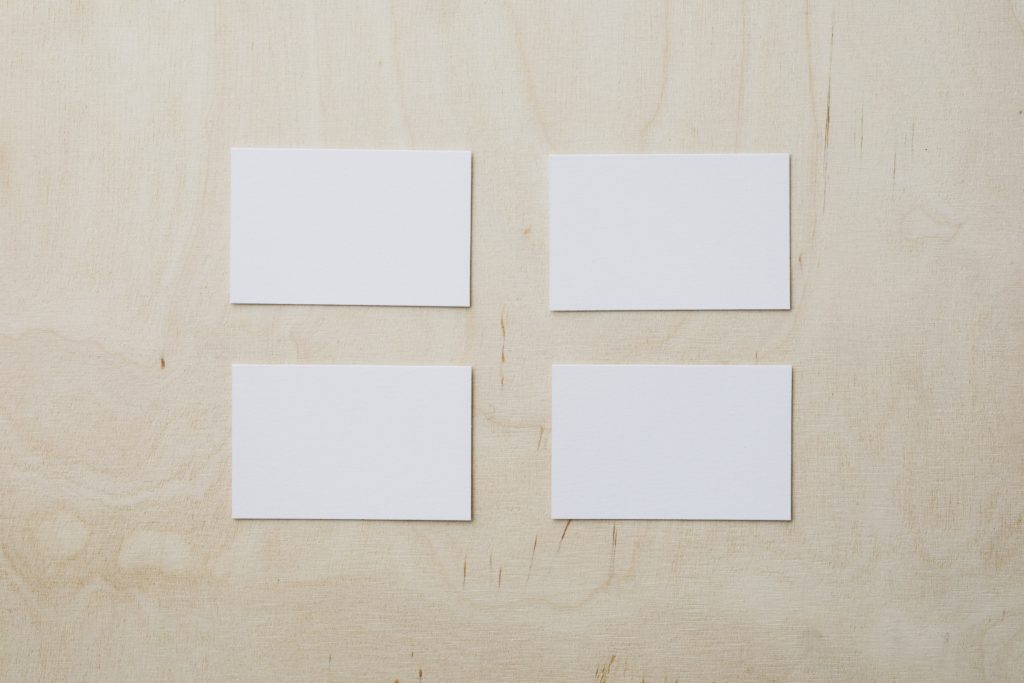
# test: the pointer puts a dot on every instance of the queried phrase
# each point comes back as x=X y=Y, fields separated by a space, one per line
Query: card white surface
x=359 y=227
x=669 y=232
x=351 y=442
x=671 y=442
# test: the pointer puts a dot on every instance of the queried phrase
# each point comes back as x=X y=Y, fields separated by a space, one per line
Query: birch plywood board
x=120 y=560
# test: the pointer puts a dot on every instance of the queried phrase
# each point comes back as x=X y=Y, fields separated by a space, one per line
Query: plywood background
x=905 y=557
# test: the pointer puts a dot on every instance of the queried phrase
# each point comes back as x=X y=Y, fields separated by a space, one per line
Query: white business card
x=351 y=442
x=671 y=442
x=669 y=232
x=357 y=227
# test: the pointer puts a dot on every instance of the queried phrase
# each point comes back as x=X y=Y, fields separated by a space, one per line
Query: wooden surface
x=905 y=557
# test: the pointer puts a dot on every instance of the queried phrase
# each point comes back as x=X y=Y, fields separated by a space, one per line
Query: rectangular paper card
x=361 y=227
x=671 y=441
x=351 y=442
x=669 y=232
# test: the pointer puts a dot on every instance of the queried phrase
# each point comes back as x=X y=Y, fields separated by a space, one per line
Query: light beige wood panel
x=905 y=556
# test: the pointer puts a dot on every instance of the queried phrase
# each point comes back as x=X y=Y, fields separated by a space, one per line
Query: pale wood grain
x=905 y=557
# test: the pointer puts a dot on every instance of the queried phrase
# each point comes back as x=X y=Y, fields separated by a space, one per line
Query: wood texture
x=906 y=554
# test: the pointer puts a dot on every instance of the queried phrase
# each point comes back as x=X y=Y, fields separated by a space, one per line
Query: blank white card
x=361 y=227
x=669 y=232
x=671 y=441
x=351 y=442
